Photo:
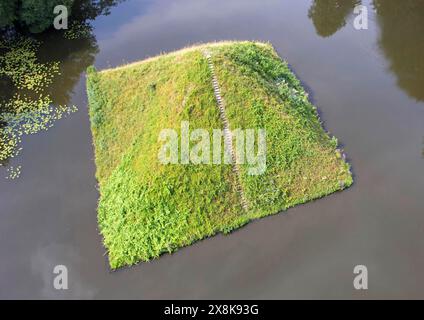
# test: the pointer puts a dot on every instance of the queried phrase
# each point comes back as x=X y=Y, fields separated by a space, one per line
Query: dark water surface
x=369 y=87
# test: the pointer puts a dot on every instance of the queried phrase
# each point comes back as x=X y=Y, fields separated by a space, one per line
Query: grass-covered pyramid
x=146 y=207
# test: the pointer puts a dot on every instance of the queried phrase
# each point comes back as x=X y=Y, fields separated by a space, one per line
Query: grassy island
x=147 y=208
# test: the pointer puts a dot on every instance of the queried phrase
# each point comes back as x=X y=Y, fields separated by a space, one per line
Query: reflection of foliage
x=329 y=16
x=402 y=35
x=74 y=56
x=20 y=64
x=78 y=31
x=37 y=15
x=402 y=40
x=7 y=13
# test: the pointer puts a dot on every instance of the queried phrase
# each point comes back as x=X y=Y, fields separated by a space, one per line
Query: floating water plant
x=29 y=111
x=21 y=65
x=147 y=207
x=14 y=172
x=25 y=115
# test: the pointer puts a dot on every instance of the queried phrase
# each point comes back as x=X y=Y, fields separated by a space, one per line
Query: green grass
x=147 y=208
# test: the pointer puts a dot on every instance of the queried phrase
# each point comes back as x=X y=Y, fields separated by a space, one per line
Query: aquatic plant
x=21 y=65
x=28 y=111
x=14 y=172
x=9 y=142
x=29 y=116
x=24 y=116
x=37 y=15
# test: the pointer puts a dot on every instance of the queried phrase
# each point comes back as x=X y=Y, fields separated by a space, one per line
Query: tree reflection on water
x=401 y=36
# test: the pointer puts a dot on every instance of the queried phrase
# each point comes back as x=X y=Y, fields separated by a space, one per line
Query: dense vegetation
x=147 y=208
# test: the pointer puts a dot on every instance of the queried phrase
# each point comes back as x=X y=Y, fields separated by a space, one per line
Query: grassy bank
x=147 y=208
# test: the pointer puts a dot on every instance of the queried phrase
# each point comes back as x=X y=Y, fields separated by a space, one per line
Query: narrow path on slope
x=227 y=132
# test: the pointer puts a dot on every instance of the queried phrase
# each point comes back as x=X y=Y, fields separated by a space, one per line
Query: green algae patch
x=147 y=207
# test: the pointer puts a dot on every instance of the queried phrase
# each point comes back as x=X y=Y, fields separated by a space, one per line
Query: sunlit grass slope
x=147 y=208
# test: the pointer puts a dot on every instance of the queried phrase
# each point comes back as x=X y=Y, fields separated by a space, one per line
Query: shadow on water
x=401 y=39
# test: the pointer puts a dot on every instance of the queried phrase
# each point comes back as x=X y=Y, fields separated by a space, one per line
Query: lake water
x=369 y=88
